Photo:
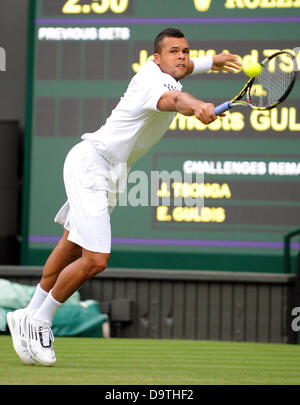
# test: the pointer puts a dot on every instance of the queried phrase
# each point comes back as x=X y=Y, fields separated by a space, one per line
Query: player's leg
x=70 y=279
x=86 y=216
x=63 y=254
x=94 y=231
x=77 y=273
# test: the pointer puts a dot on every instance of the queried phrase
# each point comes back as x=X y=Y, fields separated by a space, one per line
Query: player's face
x=174 y=57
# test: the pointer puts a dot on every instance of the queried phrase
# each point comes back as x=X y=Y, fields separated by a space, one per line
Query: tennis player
x=94 y=169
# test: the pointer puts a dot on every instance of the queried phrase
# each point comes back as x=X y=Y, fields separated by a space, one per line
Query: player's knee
x=94 y=263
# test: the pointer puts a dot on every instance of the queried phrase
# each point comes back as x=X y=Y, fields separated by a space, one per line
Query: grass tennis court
x=92 y=361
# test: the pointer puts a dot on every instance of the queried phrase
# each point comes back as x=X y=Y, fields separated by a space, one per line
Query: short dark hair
x=168 y=32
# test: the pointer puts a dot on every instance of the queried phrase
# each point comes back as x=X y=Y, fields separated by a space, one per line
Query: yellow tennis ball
x=252 y=69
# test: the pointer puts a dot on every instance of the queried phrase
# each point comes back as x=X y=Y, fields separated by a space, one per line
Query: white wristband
x=202 y=64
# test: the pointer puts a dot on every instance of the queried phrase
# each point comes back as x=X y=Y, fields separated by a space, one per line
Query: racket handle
x=223 y=107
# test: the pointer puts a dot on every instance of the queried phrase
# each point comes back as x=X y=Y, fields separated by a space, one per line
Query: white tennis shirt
x=135 y=125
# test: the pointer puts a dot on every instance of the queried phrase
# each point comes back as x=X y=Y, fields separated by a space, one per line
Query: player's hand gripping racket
x=270 y=87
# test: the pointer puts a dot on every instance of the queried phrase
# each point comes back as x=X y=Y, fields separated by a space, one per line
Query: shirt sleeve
x=152 y=94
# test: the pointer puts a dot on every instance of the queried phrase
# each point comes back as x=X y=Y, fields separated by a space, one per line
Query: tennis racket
x=270 y=87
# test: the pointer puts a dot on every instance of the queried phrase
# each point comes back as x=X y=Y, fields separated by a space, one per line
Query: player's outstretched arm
x=187 y=104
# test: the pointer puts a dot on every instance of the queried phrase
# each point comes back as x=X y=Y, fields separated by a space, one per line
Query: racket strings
x=272 y=84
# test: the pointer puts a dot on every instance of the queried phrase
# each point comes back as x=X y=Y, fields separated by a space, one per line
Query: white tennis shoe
x=14 y=320
x=39 y=338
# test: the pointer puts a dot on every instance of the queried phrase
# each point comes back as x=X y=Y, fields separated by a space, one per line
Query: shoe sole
x=11 y=329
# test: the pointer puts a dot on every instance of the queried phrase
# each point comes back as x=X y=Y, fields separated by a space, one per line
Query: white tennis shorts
x=86 y=213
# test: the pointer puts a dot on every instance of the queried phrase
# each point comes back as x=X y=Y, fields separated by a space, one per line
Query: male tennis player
x=141 y=118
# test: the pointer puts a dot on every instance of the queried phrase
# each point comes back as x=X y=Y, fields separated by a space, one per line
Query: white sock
x=37 y=299
x=48 y=309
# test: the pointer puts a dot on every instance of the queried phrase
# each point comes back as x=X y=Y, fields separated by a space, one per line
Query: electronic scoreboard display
x=243 y=168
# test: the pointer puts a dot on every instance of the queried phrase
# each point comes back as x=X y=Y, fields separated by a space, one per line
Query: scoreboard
x=242 y=170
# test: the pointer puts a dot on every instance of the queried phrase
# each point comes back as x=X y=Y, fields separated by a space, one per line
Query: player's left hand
x=226 y=62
